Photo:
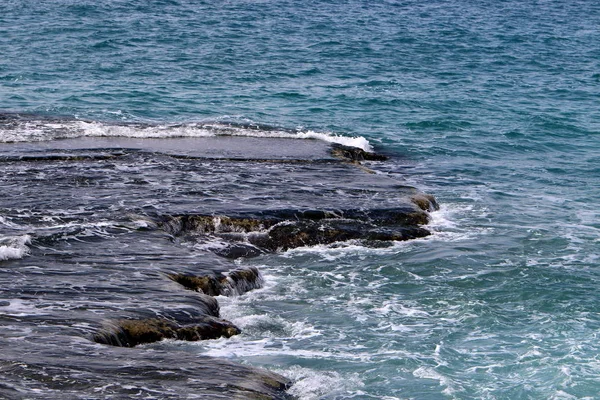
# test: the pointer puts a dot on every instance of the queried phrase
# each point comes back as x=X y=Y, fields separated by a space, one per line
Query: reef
x=156 y=230
x=261 y=231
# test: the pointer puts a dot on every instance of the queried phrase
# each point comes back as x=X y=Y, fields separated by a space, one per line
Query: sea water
x=490 y=106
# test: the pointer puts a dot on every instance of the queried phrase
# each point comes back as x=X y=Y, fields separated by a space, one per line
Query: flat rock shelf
x=122 y=246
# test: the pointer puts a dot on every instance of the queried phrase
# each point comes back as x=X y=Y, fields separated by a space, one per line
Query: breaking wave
x=14 y=247
x=18 y=128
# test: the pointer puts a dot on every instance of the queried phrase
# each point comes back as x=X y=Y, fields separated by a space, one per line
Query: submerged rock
x=131 y=332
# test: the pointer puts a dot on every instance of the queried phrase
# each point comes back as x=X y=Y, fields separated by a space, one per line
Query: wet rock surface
x=236 y=282
x=118 y=373
x=125 y=243
x=129 y=333
x=280 y=230
x=355 y=154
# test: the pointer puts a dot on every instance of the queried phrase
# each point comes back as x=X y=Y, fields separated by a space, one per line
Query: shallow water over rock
x=114 y=232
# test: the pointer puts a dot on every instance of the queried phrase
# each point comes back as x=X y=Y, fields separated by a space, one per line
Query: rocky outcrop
x=134 y=223
x=355 y=154
x=363 y=215
x=234 y=283
x=425 y=202
x=289 y=235
x=200 y=323
x=132 y=332
x=211 y=224
x=280 y=230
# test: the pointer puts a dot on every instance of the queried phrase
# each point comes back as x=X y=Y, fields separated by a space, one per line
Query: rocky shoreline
x=247 y=205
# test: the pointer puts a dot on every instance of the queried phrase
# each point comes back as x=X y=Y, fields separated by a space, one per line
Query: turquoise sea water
x=493 y=107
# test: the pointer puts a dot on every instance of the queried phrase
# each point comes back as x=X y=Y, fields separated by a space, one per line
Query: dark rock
x=240 y=281
x=131 y=332
x=407 y=233
x=280 y=230
x=355 y=154
x=401 y=217
x=233 y=283
x=289 y=235
x=210 y=224
x=207 y=284
x=296 y=214
x=425 y=202
x=239 y=250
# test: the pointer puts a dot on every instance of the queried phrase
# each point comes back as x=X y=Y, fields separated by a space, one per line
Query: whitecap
x=43 y=130
x=430 y=373
x=14 y=247
x=20 y=308
x=389 y=307
x=311 y=384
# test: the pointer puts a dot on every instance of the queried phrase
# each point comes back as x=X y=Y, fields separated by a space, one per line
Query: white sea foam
x=14 y=247
x=335 y=251
x=311 y=384
x=431 y=373
x=268 y=336
x=444 y=225
x=8 y=223
x=239 y=310
x=20 y=308
x=267 y=349
x=42 y=130
x=392 y=307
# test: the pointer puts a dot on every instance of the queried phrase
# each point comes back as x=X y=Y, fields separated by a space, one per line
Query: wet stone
x=280 y=230
x=209 y=285
x=130 y=333
x=236 y=282
x=240 y=250
x=425 y=202
x=355 y=154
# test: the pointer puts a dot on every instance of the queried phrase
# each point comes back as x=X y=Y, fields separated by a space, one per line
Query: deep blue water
x=493 y=107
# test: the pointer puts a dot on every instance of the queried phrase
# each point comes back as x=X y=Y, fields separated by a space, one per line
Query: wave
x=14 y=247
x=16 y=128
